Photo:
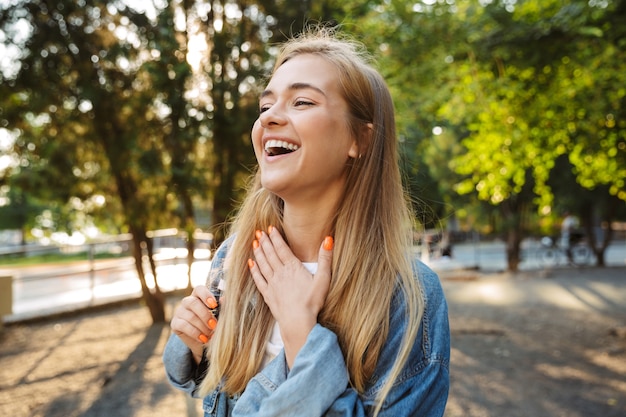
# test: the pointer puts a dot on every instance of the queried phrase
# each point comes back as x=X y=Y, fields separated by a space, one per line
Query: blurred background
x=125 y=123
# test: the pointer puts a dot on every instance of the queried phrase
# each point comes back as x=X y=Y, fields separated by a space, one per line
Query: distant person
x=569 y=233
x=324 y=310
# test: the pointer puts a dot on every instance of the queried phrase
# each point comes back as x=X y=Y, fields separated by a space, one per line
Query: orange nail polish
x=203 y=338
x=255 y=243
x=328 y=243
x=250 y=263
x=211 y=323
x=258 y=234
x=211 y=303
x=269 y=229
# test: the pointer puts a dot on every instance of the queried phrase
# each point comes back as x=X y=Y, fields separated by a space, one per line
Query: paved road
x=491 y=256
x=541 y=343
x=42 y=290
x=538 y=343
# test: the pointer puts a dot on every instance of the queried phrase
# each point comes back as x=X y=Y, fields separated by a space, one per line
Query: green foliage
x=107 y=107
x=561 y=87
x=411 y=43
x=491 y=94
x=532 y=83
x=107 y=103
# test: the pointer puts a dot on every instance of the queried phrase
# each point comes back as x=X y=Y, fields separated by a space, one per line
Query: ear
x=366 y=137
x=353 y=152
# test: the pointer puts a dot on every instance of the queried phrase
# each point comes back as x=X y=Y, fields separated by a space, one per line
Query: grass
x=48 y=258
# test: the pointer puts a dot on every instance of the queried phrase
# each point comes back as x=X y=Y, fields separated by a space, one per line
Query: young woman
x=323 y=310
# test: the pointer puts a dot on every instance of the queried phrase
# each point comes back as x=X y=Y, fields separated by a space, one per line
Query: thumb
x=324 y=262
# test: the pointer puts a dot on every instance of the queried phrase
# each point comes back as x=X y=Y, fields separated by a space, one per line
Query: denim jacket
x=318 y=385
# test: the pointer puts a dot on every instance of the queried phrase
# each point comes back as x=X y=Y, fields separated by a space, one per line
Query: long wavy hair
x=372 y=232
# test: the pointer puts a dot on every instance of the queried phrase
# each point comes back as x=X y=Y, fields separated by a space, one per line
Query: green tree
x=514 y=83
x=81 y=106
x=105 y=104
x=179 y=136
x=560 y=64
x=414 y=44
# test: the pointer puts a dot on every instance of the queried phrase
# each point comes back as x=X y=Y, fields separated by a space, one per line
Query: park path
x=538 y=343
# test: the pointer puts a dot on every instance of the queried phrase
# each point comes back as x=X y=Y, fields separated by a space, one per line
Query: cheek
x=256 y=135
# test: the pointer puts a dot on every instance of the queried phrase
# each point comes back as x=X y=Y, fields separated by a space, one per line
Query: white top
x=275 y=344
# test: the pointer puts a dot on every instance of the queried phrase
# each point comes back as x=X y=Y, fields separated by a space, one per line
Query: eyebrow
x=295 y=86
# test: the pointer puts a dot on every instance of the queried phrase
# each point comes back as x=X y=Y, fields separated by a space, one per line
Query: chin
x=274 y=187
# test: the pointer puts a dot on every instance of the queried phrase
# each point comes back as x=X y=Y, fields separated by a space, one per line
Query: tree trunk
x=513 y=212
x=149 y=244
x=513 y=244
x=189 y=222
x=598 y=248
x=190 y=257
x=155 y=301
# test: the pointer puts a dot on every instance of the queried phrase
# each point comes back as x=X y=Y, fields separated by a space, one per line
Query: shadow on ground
x=526 y=345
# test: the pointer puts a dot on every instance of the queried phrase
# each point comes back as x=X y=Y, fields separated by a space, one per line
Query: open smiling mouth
x=279 y=147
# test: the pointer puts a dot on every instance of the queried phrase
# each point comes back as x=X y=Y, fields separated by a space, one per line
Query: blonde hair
x=371 y=228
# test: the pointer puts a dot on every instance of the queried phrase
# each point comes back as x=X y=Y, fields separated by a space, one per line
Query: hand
x=294 y=296
x=193 y=321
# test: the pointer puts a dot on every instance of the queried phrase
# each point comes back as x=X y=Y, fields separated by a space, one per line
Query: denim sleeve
x=180 y=368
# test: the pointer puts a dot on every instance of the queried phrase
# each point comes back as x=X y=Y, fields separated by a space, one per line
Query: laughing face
x=302 y=139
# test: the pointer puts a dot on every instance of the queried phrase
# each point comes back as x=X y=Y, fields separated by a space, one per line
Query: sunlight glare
x=197 y=50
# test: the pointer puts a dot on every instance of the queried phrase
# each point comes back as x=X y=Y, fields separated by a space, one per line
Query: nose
x=273 y=116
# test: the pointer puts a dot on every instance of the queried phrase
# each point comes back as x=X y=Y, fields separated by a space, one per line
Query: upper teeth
x=280 y=144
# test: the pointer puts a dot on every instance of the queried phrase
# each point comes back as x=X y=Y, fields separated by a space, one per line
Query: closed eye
x=303 y=103
x=297 y=103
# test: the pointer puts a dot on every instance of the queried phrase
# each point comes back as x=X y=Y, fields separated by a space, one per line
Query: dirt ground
x=533 y=344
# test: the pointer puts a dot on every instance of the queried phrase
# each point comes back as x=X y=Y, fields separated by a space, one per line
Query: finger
x=200 y=304
x=282 y=250
x=196 y=312
x=260 y=257
x=188 y=333
x=191 y=332
x=203 y=293
x=257 y=276
x=269 y=250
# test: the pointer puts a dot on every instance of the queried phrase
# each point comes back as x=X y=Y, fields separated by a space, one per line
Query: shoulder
x=431 y=352
x=433 y=337
x=223 y=248
x=434 y=327
x=430 y=292
x=426 y=367
x=429 y=283
x=218 y=261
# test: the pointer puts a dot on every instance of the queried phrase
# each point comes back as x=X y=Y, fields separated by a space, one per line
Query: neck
x=306 y=227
